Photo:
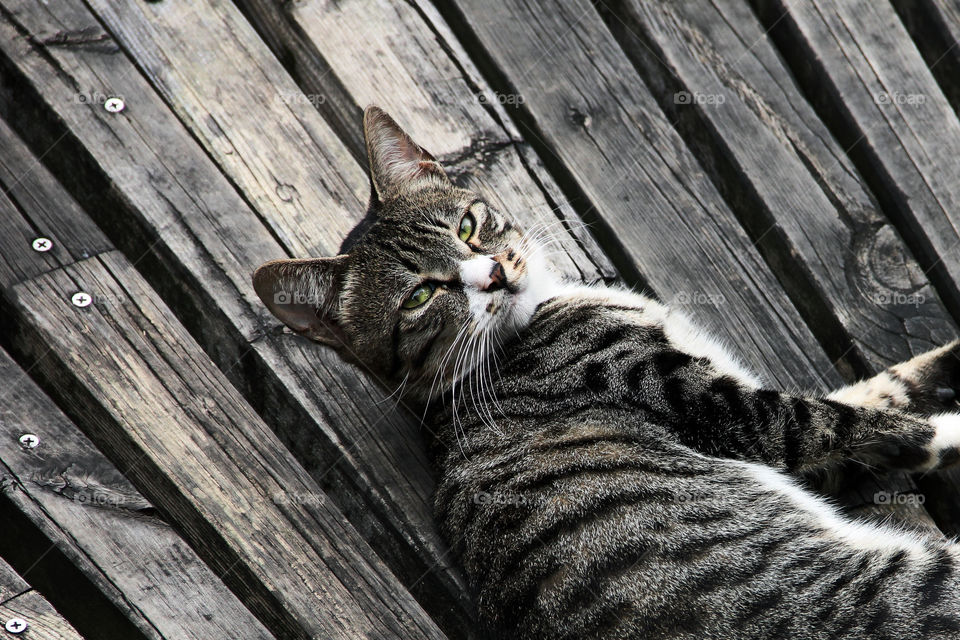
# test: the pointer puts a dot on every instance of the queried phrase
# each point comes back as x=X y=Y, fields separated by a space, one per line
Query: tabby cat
x=605 y=469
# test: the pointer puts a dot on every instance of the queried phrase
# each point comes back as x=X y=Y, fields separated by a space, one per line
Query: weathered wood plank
x=584 y=102
x=845 y=266
x=291 y=493
x=934 y=26
x=64 y=494
x=19 y=603
x=348 y=55
x=859 y=68
x=166 y=205
x=144 y=392
x=67 y=497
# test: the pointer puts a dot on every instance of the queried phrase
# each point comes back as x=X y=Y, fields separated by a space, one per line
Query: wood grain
x=170 y=209
x=934 y=26
x=19 y=600
x=786 y=177
x=859 y=68
x=74 y=520
x=145 y=393
x=302 y=495
x=348 y=55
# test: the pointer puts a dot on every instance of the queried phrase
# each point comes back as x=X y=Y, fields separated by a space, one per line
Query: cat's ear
x=396 y=161
x=305 y=295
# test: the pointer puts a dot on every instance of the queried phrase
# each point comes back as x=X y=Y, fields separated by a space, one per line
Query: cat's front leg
x=723 y=416
x=927 y=384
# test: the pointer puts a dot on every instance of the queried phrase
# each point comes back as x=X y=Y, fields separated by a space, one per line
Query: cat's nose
x=498 y=277
x=483 y=272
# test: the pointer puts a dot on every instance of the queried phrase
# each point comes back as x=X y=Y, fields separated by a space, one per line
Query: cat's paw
x=944 y=448
x=925 y=385
x=916 y=445
x=931 y=380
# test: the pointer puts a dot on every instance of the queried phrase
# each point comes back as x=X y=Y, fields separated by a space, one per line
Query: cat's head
x=432 y=280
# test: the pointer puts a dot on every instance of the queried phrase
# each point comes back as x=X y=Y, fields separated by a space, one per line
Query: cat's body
x=587 y=517
x=605 y=470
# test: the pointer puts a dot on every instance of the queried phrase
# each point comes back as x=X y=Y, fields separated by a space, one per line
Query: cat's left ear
x=305 y=296
x=396 y=161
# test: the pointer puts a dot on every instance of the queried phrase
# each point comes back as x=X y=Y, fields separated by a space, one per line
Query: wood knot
x=579 y=118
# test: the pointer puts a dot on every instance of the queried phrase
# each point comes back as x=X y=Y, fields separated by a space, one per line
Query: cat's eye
x=419 y=296
x=467 y=224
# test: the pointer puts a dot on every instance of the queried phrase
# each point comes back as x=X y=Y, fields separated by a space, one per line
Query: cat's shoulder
x=678 y=328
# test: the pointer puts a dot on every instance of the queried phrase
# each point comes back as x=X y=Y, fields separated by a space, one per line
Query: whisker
x=443 y=365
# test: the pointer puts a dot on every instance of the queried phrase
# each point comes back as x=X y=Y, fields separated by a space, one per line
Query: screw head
x=114 y=105
x=16 y=625
x=81 y=299
x=29 y=440
x=42 y=244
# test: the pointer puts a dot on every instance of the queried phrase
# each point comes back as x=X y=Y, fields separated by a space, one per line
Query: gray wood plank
x=934 y=26
x=350 y=577
x=179 y=219
x=64 y=492
x=145 y=393
x=345 y=56
x=788 y=180
x=72 y=517
x=189 y=54
x=18 y=601
x=860 y=69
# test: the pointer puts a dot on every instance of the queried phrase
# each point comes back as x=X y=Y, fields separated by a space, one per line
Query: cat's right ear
x=305 y=295
x=396 y=161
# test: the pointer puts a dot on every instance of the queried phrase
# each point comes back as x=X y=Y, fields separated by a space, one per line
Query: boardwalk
x=176 y=465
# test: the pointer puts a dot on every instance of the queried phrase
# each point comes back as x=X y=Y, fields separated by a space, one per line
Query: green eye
x=467 y=223
x=419 y=296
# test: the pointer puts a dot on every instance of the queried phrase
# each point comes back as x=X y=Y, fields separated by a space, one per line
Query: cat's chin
x=537 y=287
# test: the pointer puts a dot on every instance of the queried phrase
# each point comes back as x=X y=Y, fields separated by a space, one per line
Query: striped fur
x=605 y=469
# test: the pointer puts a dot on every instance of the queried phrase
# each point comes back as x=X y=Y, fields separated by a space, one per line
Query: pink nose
x=498 y=277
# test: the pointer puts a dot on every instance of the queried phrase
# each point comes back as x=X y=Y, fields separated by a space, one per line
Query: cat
x=607 y=470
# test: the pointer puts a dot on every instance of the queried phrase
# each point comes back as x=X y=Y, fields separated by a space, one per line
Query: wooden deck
x=176 y=465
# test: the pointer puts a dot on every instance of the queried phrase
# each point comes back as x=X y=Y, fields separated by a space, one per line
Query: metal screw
x=29 y=441
x=42 y=244
x=81 y=299
x=16 y=625
x=114 y=105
